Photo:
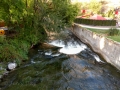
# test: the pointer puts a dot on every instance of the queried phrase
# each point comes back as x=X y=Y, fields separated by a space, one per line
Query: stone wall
x=109 y=49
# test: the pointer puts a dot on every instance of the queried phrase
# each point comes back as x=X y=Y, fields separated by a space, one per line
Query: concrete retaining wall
x=109 y=49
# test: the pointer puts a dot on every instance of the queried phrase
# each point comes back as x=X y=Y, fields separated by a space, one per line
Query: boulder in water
x=11 y=66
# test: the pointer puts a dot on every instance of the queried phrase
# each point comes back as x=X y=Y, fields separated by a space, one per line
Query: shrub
x=31 y=19
x=113 y=32
x=95 y=22
x=13 y=50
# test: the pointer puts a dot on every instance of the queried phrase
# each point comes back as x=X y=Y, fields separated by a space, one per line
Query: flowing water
x=74 y=66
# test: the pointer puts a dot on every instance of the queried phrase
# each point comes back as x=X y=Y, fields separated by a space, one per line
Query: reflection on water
x=63 y=69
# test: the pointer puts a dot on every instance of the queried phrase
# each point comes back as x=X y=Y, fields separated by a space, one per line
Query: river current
x=73 y=66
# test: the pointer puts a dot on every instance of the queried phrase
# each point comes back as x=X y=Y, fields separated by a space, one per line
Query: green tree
x=31 y=19
x=95 y=6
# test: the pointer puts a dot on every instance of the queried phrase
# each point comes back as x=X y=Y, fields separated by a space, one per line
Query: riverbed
x=72 y=66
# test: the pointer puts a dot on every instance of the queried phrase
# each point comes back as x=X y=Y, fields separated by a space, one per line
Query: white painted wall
x=109 y=49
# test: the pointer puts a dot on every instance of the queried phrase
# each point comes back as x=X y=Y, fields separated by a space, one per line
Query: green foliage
x=105 y=33
x=95 y=6
x=113 y=32
x=115 y=38
x=109 y=14
x=11 y=10
x=95 y=22
x=31 y=19
x=2 y=39
x=14 y=49
x=66 y=11
x=38 y=12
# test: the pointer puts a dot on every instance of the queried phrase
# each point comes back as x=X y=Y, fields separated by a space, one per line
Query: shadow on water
x=62 y=69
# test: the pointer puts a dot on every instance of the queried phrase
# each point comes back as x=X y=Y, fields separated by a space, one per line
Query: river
x=73 y=66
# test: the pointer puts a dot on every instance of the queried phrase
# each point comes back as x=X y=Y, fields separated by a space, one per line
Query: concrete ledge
x=108 y=49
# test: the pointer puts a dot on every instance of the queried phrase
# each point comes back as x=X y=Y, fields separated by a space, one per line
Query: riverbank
x=3 y=70
x=3 y=65
x=54 y=69
x=109 y=49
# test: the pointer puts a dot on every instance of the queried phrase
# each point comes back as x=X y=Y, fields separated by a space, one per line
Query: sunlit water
x=72 y=67
x=70 y=47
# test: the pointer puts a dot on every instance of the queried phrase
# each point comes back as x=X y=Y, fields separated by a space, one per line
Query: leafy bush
x=95 y=22
x=13 y=50
x=31 y=19
x=113 y=32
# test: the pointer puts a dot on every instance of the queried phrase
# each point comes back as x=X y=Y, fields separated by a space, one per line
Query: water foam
x=97 y=58
x=70 y=47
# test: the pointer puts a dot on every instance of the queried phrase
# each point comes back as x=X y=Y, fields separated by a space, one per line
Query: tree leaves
x=31 y=19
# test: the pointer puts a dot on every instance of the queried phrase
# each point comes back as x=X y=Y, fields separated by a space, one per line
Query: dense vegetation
x=95 y=22
x=29 y=21
x=97 y=7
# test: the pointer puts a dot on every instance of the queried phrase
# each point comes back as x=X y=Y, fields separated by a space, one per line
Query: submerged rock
x=69 y=88
x=45 y=46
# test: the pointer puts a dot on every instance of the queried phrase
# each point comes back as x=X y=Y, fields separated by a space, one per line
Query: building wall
x=108 y=49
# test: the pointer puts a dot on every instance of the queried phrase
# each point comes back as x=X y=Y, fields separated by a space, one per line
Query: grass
x=105 y=33
x=100 y=31
x=115 y=38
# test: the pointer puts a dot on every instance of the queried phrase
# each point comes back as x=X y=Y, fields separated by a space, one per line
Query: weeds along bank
x=15 y=47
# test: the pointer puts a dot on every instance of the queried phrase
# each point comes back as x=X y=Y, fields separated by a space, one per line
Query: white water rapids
x=70 y=48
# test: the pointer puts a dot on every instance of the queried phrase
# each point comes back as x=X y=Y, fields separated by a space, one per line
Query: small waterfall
x=97 y=58
x=58 y=43
x=48 y=53
x=69 y=47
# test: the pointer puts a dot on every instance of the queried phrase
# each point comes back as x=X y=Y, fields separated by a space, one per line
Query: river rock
x=11 y=66
x=69 y=88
